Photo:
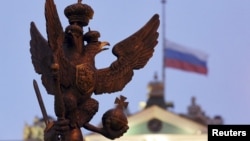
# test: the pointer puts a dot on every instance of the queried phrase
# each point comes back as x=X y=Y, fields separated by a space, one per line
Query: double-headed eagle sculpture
x=66 y=63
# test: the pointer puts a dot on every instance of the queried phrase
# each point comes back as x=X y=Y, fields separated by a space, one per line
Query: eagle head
x=74 y=34
x=91 y=37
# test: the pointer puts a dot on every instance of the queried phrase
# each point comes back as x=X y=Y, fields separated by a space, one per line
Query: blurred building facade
x=34 y=132
x=194 y=110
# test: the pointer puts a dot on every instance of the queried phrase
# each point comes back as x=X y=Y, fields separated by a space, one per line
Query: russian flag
x=183 y=58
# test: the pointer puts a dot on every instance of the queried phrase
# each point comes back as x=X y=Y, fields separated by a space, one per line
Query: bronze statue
x=67 y=67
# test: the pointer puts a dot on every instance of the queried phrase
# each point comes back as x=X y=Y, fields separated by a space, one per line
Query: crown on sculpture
x=79 y=13
x=91 y=36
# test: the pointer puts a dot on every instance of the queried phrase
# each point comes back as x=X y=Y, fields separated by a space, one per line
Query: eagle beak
x=103 y=44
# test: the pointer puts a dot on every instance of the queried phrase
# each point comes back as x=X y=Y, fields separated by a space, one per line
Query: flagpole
x=163 y=43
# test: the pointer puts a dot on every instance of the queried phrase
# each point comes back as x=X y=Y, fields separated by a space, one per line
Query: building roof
x=157 y=122
x=167 y=122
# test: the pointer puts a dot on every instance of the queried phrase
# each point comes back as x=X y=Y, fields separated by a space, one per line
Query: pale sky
x=220 y=28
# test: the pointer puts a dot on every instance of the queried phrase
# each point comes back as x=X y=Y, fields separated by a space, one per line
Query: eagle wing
x=132 y=53
x=54 y=28
x=45 y=53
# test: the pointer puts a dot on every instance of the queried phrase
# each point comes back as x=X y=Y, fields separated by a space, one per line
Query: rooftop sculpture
x=66 y=63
